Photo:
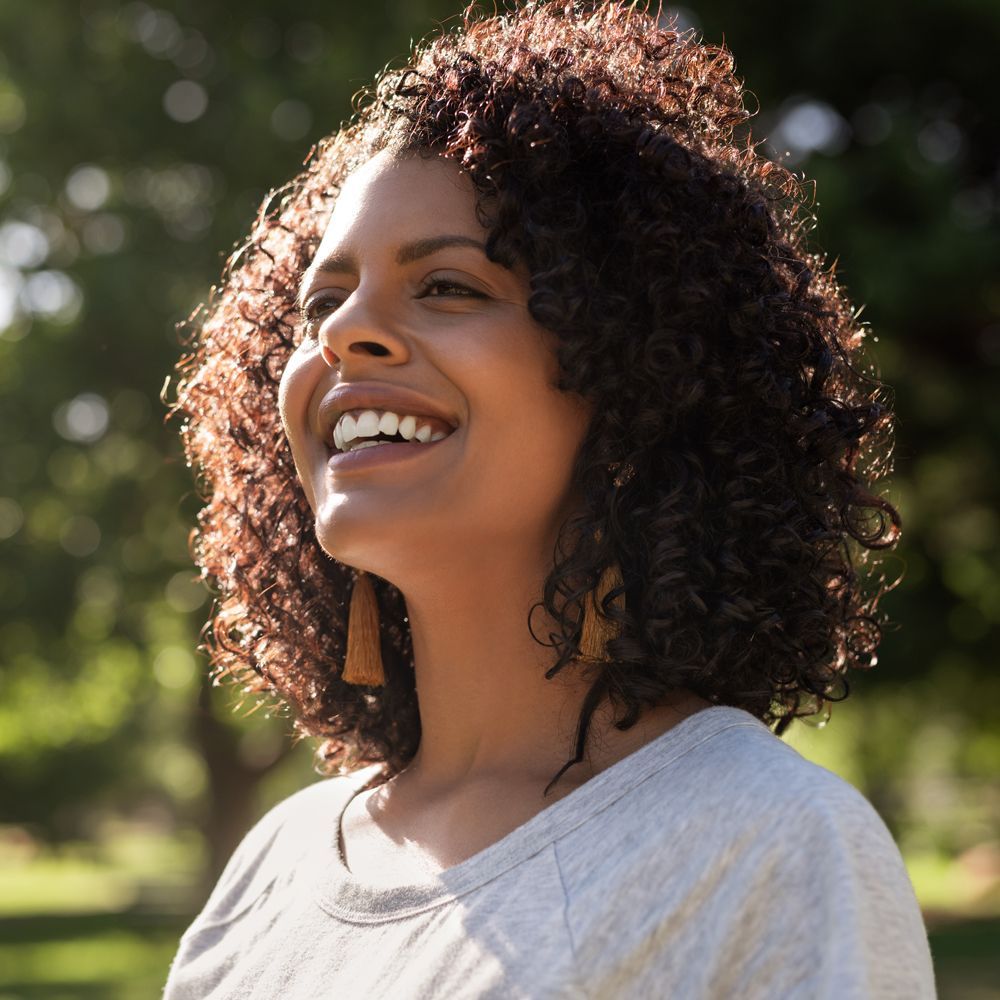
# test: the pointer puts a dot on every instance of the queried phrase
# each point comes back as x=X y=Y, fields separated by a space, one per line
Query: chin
x=355 y=543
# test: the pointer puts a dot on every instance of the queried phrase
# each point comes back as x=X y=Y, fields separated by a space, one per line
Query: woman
x=540 y=476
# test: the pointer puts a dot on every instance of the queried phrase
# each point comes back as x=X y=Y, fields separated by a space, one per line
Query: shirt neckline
x=343 y=894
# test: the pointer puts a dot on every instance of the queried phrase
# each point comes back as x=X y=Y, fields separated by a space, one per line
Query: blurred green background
x=136 y=141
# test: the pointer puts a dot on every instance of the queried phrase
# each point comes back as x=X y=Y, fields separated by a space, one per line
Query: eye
x=319 y=305
x=449 y=290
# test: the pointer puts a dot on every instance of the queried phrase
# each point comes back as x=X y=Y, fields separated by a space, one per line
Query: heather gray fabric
x=715 y=861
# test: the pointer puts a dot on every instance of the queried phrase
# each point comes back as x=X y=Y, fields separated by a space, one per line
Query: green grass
x=126 y=870
x=99 y=920
x=81 y=926
x=125 y=956
x=104 y=956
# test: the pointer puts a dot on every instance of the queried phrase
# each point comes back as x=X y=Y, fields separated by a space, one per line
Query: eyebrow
x=340 y=261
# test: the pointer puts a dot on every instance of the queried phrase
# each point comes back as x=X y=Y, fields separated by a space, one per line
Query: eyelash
x=311 y=320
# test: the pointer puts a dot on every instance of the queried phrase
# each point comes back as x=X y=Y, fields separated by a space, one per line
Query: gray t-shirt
x=715 y=861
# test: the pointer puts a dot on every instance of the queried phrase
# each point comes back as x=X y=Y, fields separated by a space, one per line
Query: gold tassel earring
x=363 y=662
x=598 y=630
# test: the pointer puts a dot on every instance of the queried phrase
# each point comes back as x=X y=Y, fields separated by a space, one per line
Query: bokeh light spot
x=22 y=245
x=84 y=418
x=12 y=108
x=291 y=120
x=809 y=126
x=185 y=592
x=103 y=234
x=11 y=285
x=53 y=295
x=88 y=187
x=174 y=667
x=11 y=517
x=940 y=141
x=80 y=536
x=185 y=101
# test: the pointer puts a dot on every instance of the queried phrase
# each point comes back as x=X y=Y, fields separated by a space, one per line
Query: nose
x=357 y=331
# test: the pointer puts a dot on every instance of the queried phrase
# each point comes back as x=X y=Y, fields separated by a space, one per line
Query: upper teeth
x=369 y=423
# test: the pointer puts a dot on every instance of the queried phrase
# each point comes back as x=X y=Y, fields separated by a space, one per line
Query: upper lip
x=375 y=396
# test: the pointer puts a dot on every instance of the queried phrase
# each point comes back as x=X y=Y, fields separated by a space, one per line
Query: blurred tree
x=136 y=140
x=882 y=106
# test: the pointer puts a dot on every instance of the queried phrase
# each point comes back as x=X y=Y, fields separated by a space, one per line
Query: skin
x=466 y=532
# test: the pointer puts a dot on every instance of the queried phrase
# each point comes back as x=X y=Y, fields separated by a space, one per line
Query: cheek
x=294 y=393
x=563 y=420
x=526 y=443
x=299 y=382
x=566 y=428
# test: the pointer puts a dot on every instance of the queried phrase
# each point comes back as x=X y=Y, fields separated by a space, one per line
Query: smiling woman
x=468 y=363
x=539 y=478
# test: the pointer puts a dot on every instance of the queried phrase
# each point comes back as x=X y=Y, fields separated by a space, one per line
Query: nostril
x=380 y=350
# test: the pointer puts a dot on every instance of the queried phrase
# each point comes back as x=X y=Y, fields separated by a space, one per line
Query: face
x=403 y=306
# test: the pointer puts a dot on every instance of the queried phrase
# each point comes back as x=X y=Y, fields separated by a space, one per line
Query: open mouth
x=362 y=438
x=357 y=430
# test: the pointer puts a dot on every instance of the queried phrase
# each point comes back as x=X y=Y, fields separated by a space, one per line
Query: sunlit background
x=136 y=141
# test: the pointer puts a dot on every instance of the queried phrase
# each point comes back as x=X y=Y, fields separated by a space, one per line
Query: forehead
x=387 y=201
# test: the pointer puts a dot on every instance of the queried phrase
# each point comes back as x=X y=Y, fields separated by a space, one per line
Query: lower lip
x=383 y=454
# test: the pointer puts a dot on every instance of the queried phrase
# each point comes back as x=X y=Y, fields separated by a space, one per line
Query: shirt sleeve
x=838 y=918
x=810 y=903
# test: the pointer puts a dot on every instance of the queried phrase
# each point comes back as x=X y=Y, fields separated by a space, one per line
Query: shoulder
x=738 y=846
x=733 y=794
x=271 y=849
x=736 y=777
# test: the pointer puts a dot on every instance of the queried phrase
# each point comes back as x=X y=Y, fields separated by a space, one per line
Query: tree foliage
x=136 y=142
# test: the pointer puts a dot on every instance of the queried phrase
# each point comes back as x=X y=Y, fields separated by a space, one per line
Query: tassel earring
x=363 y=662
x=598 y=630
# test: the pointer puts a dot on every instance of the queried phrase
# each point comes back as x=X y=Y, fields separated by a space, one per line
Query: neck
x=485 y=705
x=486 y=709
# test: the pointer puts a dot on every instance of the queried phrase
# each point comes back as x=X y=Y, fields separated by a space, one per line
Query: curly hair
x=730 y=463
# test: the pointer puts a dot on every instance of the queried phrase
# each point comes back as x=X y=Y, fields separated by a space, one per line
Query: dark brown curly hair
x=730 y=463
